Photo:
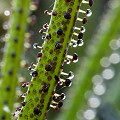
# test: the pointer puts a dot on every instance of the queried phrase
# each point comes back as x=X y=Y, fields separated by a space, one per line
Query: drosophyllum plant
x=49 y=74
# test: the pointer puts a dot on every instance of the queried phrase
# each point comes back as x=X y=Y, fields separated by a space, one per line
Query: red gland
x=84 y=20
x=45 y=26
x=24 y=85
x=32 y=64
x=80 y=35
x=90 y=3
x=53 y=92
x=67 y=60
x=75 y=57
x=29 y=83
x=39 y=54
x=60 y=82
x=61 y=67
x=46 y=11
x=41 y=31
x=37 y=61
x=57 y=108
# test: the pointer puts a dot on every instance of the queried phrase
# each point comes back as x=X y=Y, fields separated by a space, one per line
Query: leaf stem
x=11 y=58
x=49 y=65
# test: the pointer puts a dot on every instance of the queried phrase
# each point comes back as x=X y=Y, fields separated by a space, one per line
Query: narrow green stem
x=11 y=58
x=39 y=94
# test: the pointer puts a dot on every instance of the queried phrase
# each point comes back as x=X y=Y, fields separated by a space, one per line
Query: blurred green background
x=101 y=107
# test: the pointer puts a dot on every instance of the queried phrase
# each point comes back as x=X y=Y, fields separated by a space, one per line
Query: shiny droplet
x=88 y=12
x=70 y=75
x=62 y=96
x=114 y=58
x=105 y=62
x=35 y=45
x=80 y=42
x=6 y=109
x=82 y=28
x=94 y=102
x=97 y=79
x=89 y=114
x=108 y=74
x=67 y=61
x=6 y=12
x=114 y=44
x=99 y=89
x=60 y=82
x=74 y=44
x=75 y=58
x=68 y=82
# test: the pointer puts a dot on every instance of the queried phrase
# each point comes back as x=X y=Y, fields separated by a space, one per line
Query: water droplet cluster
x=100 y=81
